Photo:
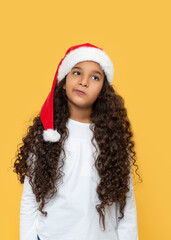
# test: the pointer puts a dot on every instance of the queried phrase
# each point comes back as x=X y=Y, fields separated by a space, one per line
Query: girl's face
x=85 y=76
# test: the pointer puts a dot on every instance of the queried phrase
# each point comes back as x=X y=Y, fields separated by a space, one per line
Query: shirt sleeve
x=128 y=226
x=28 y=213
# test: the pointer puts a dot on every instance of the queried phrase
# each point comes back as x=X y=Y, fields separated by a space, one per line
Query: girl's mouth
x=79 y=92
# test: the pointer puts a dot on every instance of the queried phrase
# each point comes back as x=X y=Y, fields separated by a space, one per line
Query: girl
x=75 y=161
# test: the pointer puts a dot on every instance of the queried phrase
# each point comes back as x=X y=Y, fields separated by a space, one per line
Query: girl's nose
x=84 y=81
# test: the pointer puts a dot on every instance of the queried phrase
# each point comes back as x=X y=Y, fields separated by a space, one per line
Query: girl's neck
x=80 y=120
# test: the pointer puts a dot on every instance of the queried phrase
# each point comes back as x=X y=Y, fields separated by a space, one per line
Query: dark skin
x=87 y=80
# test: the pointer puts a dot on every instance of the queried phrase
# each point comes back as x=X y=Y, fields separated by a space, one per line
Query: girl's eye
x=79 y=73
x=75 y=72
x=96 y=77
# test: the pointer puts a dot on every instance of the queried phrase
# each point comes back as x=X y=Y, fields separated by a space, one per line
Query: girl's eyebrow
x=95 y=71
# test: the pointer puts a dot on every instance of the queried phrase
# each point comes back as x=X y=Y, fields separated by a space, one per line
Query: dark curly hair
x=39 y=160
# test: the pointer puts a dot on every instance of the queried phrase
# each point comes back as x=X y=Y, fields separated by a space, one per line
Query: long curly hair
x=39 y=160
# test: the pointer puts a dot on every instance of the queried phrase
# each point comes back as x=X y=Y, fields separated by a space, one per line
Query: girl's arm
x=28 y=213
x=128 y=226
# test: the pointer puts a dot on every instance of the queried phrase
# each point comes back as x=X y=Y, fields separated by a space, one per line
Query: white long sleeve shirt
x=71 y=213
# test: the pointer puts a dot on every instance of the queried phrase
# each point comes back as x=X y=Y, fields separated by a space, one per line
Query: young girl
x=75 y=161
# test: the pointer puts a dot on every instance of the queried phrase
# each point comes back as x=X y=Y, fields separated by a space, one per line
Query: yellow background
x=136 y=36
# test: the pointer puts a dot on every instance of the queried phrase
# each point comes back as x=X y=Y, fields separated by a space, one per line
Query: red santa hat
x=74 y=55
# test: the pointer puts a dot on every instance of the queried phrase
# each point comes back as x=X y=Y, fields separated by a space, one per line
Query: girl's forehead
x=89 y=63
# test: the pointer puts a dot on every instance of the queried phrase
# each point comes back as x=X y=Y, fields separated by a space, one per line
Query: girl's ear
x=64 y=87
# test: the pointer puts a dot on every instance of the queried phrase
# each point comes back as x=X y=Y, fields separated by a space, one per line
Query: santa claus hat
x=74 y=55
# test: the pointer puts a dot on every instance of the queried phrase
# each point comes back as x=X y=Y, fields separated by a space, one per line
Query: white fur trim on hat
x=51 y=135
x=84 y=54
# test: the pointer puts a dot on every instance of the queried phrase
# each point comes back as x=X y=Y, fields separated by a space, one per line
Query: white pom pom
x=51 y=135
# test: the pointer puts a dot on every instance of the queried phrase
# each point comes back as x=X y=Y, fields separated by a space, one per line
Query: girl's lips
x=79 y=92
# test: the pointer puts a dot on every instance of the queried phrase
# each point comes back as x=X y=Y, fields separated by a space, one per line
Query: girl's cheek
x=73 y=77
